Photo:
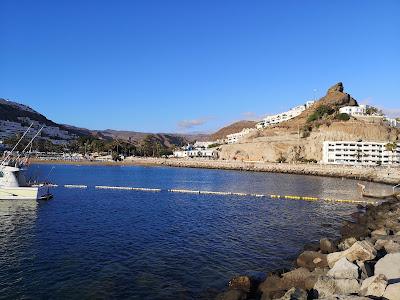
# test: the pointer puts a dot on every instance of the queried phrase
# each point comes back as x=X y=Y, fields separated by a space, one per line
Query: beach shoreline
x=387 y=175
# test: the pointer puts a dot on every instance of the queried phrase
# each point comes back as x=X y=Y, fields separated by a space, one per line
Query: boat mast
x=30 y=142
x=9 y=154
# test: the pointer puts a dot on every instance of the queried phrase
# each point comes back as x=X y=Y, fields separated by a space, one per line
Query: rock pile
x=363 y=264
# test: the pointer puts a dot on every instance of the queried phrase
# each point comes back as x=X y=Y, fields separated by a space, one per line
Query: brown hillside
x=233 y=128
x=301 y=138
x=335 y=98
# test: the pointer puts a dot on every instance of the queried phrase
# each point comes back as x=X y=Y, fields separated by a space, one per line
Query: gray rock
x=271 y=285
x=232 y=295
x=392 y=292
x=343 y=269
x=240 y=283
x=328 y=286
x=347 y=286
x=360 y=250
x=327 y=246
x=347 y=243
x=314 y=275
x=312 y=260
x=378 y=233
x=389 y=265
x=344 y=297
x=391 y=246
x=295 y=294
x=390 y=243
x=325 y=286
x=374 y=286
x=295 y=278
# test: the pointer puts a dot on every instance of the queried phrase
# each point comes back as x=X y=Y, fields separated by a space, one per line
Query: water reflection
x=17 y=231
x=92 y=243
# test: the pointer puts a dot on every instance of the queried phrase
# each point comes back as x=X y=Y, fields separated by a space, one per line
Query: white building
x=285 y=116
x=204 y=145
x=204 y=153
x=391 y=122
x=234 y=138
x=354 y=111
x=360 y=153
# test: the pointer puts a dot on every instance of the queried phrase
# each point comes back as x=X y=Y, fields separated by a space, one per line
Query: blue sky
x=193 y=66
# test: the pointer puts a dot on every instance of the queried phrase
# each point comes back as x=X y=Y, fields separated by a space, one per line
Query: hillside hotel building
x=360 y=153
x=285 y=116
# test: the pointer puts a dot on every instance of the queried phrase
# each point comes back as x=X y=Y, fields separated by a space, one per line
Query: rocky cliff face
x=288 y=141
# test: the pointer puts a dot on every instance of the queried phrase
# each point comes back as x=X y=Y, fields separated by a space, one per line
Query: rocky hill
x=300 y=139
x=233 y=128
x=15 y=118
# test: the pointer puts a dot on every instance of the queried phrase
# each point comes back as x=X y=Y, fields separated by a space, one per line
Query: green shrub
x=320 y=112
x=343 y=117
x=313 y=117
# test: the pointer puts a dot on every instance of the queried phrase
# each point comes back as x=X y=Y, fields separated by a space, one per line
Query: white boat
x=13 y=184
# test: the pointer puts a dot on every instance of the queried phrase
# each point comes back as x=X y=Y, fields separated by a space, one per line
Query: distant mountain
x=232 y=128
x=16 y=117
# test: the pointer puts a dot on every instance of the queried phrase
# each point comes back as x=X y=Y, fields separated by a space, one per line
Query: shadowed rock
x=294 y=294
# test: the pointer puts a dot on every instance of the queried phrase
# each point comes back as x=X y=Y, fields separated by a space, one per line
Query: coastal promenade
x=388 y=175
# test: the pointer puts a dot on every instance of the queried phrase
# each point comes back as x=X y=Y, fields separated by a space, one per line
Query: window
x=1 y=174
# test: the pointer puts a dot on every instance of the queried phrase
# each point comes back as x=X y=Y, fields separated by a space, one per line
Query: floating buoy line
x=185 y=191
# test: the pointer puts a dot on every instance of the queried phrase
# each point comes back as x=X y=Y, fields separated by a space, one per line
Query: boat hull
x=24 y=193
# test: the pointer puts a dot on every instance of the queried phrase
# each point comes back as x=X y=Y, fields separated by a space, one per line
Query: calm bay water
x=129 y=244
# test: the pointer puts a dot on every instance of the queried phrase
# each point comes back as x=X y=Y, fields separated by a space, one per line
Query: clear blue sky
x=173 y=66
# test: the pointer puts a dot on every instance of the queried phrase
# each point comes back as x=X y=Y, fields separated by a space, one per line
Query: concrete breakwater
x=363 y=264
x=375 y=174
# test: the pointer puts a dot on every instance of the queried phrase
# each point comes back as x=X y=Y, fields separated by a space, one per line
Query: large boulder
x=360 y=250
x=391 y=244
x=344 y=297
x=232 y=295
x=346 y=243
x=389 y=266
x=294 y=294
x=240 y=283
x=374 y=286
x=295 y=278
x=336 y=97
x=271 y=285
x=392 y=292
x=343 y=269
x=327 y=246
x=378 y=233
x=328 y=286
x=312 y=260
x=313 y=278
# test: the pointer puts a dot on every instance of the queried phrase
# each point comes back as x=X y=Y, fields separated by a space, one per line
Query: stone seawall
x=376 y=174
x=382 y=175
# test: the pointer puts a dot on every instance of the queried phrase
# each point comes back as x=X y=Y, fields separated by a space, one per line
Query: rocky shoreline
x=363 y=264
x=374 y=174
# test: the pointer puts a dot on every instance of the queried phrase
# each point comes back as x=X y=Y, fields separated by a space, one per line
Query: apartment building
x=285 y=116
x=238 y=136
x=360 y=153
